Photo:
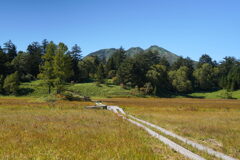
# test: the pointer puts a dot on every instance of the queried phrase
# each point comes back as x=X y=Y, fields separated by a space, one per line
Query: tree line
x=146 y=71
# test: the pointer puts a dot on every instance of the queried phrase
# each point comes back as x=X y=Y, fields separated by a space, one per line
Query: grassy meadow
x=34 y=129
x=36 y=89
x=211 y=122
x=108 y=90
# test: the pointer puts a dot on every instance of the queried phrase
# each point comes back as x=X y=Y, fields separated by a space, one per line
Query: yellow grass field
x=215 y=123
x=31 y=129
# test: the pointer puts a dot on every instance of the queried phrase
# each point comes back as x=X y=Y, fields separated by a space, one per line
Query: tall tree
x=47 y=72
x=22 y=63
x=143 y=62
x=205 y=58
x=76 y=56
x=3 y=63
x=187 y=62
x=224 y=69
x=233 y=78
x=126 y=74
x=115 y=61
x=158 y=77
x=44 y=46
x=10 y=49
x=100 y=74
x=180 y=81
x=35 y=54
x=62 y=66
x=206 y=77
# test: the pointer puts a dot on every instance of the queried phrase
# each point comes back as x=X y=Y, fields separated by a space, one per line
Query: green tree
x=206 y=77
x=187 y=62
x=158 y=77
x=100 y=74
x=10 y=49
x=115 y=61
x=35 y=53
x=3 y=63
x=233 y=78
x=179 y=79
x=47 y=72
x=62 y=66
x=1 y=84
x=127 y=74
x=44 y=46
x=142 y=63
x=205 y=58
x=110 y=68
x=76 y=56
x=88 y=68
x=21 y=63
x=11 y=83
x=224 y=69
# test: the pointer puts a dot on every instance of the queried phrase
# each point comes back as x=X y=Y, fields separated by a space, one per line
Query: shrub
x=68 y=95
x=226 y=95
x=11 y=83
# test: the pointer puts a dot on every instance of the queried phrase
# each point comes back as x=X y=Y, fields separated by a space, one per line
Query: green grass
x=92 y=90
x=36 y=89
x=214 y=95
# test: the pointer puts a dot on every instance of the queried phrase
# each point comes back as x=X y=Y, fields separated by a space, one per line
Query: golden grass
x=215 y=123
x=31 y=129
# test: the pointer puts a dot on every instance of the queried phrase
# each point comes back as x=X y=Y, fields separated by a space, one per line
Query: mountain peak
x=106 y=53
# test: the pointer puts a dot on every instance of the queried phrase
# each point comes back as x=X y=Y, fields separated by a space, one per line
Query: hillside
x=35 y=89
x=106 y=53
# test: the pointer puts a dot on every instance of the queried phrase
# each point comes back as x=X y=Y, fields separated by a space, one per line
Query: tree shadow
x=25 y=91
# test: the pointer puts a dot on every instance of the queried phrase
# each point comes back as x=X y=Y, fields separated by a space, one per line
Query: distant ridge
x=106 y=53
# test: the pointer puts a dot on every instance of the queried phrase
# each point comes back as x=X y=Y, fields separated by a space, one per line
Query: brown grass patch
x=215 y=123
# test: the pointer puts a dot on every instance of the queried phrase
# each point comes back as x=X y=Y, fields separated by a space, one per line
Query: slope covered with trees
x=152 y=71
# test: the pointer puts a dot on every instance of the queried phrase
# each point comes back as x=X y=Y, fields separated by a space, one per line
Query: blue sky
x=185 y=27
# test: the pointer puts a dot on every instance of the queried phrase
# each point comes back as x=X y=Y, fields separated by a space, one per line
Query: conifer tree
x=62 y=66
x=47 y=73
x=100 y=74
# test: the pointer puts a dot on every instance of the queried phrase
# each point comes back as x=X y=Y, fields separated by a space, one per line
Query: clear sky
x=185 y=27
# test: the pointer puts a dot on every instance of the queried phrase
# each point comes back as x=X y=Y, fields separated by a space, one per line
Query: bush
x=68 y=95
x=226 y=95
x=98 y=84
x=115 y=80
x=147 y=89
x=11 y=83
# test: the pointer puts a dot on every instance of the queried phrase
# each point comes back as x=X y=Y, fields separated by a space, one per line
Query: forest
x=57 y=65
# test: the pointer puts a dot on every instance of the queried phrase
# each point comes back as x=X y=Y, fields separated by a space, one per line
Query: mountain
x=106 y=53
x=171 y=57
x=103 y=53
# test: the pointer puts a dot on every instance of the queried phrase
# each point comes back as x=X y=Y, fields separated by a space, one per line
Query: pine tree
x=47 y=73
x=75 y=55
x=100 y=74
x=62 y=66
x=10 y=49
